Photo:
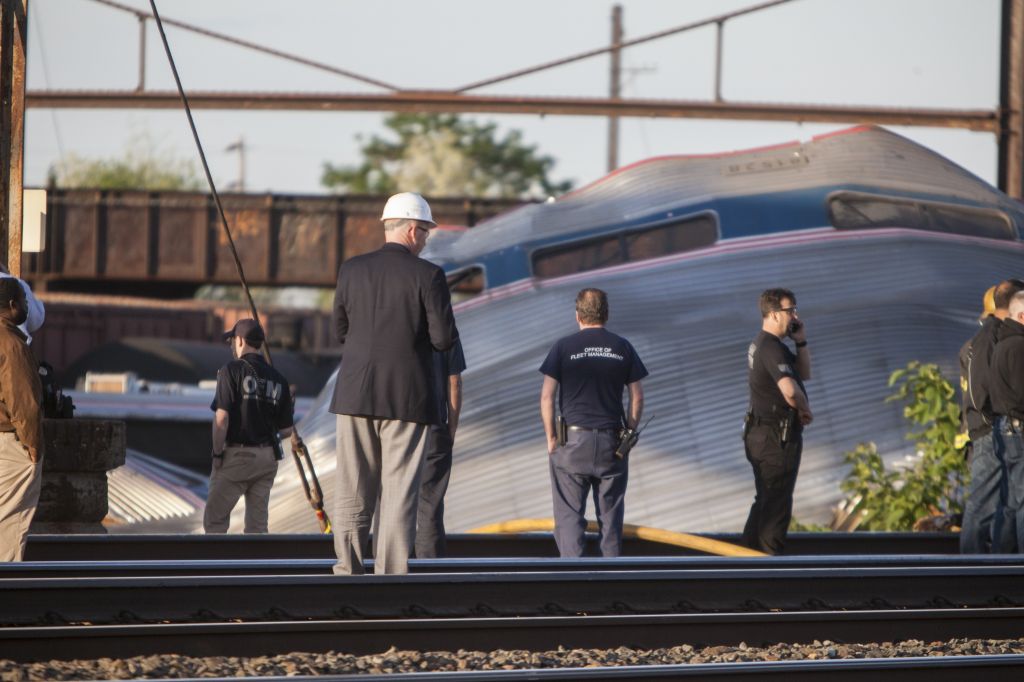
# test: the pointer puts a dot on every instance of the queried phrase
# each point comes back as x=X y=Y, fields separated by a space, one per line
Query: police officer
x=986 y=527
x=1007 y=390
x=437 y=462
x=253 y=404
x=588 y=370
x=774 y=423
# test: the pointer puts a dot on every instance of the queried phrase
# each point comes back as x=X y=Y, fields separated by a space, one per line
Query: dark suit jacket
x=392 y=310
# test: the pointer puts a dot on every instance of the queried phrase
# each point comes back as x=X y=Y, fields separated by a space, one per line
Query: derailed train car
x=887 y=245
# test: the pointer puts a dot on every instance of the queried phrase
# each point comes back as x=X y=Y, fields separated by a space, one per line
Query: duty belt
x=765 y=421
x=588 y=430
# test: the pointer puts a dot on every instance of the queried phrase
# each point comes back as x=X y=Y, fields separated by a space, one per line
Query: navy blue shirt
x=592 y=367
x=446 y=364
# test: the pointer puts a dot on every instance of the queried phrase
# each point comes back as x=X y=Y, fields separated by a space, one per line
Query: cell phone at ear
x=795 y=326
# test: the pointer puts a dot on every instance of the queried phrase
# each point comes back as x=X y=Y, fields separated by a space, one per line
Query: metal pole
x=1011 y=100
x=718 y=60
x=241 y=164
x=615 y=87
x=142 y=53
x=13 y=45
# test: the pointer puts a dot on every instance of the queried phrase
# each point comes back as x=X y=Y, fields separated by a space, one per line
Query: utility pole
x=239 y=147
x=1011 y=100
x=615 y=89
x=13 y=47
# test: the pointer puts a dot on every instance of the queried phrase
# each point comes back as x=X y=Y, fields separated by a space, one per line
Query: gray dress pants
x=376 y=457
x=587 y=462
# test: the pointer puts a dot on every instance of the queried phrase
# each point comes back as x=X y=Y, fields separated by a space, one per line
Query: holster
x=787 y=426
x=275 y=443
x=562 y=430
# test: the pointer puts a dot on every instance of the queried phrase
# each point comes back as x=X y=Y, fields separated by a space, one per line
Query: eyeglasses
x=425 y=229
x=791 y=310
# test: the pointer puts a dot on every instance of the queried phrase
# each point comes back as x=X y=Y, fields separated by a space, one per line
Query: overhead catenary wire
x=251 y=46
x=314 y=495
x=624 y=44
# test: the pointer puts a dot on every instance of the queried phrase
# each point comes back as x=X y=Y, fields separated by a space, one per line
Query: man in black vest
x=392 y=310
x=588 y=370
x=772 y=433
x=252 y=406
x=1007 y=389
x=987 y=527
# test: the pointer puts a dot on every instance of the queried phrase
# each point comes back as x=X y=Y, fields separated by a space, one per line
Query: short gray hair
x=1017 y=304
x=392 y=224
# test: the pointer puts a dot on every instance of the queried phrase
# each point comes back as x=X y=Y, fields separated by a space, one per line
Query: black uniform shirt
x=1007 y=370
x=592 y=366
x=257 y=400
x=975 y=358
x=446 y=364
x=768 y=360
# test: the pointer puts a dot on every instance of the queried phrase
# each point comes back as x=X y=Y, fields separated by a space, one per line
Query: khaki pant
x=248 y=471
x=376 y=457
x=20 y=481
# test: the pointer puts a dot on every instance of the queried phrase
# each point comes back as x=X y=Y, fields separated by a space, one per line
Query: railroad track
x=142 y=547
x=212 y=567
x=28 y=601
x=955 y=669
x=124 y=608
x=545 y=633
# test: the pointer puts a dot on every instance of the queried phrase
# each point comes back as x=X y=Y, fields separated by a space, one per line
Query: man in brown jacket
x=21 y=424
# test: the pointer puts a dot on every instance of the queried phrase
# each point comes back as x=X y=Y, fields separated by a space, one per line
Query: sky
x=896 y=53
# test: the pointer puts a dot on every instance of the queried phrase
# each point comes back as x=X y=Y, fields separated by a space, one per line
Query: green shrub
x=934 y=482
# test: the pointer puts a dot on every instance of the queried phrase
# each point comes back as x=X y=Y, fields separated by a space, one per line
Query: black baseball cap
x=249 y=329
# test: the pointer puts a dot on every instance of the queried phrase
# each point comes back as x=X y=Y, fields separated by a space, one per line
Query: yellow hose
x=667 y=537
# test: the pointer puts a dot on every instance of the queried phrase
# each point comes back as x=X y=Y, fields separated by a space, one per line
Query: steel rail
x=982 y=120
x=925 y=669
x=214 y=567
x=26 y=644
x=29 y=601
x=313 y=546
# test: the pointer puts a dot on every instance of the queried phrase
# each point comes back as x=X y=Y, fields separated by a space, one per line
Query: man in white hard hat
x=392 y=310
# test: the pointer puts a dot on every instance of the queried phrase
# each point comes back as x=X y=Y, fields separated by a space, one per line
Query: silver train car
x=887 y=245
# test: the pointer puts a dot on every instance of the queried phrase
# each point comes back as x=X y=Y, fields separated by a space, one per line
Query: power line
x=628 y=43
x=252 y=46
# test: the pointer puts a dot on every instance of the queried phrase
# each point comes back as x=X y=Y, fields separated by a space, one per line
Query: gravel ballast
x=394 y=661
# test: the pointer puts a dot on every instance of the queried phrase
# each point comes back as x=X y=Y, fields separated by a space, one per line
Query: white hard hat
x=408 y=206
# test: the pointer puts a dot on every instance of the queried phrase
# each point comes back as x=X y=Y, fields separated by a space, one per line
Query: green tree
x=934 y=483
x=143 y=165
x=443 y=155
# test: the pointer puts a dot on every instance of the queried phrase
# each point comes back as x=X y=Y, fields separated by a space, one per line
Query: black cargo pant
x=437 y=469
x=775 y=468
x=587 y=462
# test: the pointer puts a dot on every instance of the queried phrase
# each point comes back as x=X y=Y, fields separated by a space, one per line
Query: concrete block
x=72 y=497
x=95 y=445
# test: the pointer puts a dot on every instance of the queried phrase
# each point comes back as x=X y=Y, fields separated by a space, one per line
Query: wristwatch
x=801 y=344
x=217 y=455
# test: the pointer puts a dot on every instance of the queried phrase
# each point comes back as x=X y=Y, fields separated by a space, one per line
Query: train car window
x=852 y=211
x=578 y=257
x=672 y=238
x=638 y=245
x=466 y=283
